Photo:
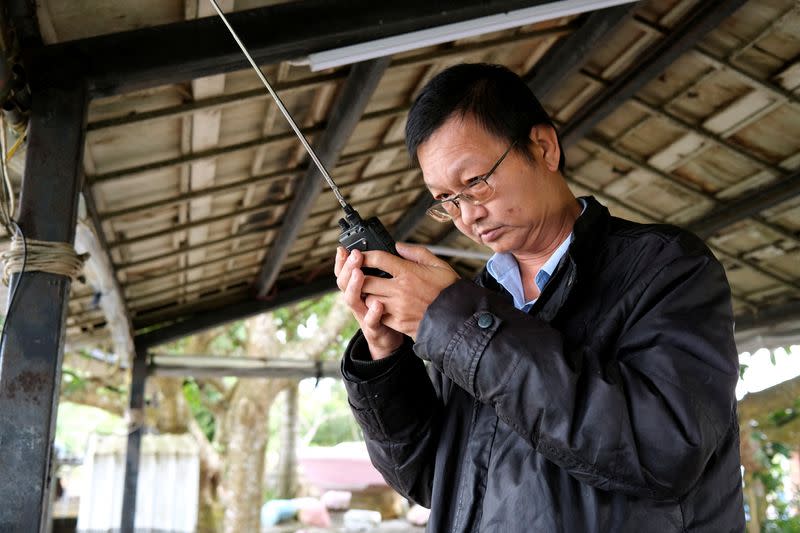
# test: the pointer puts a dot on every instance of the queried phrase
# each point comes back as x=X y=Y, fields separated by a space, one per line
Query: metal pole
x=32 y=350
x=132 y=454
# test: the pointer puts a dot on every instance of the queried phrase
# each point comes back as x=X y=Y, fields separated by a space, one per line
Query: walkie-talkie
x=357 y=233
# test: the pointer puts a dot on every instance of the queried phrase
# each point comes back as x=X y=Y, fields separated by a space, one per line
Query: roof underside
x=191 y=182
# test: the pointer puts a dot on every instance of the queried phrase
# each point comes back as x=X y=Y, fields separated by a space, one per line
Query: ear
x=545 y=143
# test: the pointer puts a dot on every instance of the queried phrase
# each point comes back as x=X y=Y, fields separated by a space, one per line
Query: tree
x=228 y=417
x=770 y=428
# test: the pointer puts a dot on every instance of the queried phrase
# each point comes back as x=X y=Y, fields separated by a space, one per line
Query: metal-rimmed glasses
x=478 y=191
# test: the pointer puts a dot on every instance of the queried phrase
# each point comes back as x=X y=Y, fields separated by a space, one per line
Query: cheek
x=511 y=210
x=466 y=230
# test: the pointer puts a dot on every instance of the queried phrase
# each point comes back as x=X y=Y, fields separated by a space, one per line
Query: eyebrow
x=458 y=171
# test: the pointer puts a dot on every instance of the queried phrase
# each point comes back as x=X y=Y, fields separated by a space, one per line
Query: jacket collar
x=589 y=226
x=585 y=247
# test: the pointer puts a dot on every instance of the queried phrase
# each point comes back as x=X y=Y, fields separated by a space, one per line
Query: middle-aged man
x=583 y=382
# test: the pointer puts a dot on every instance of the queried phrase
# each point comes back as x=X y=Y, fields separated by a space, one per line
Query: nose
x=471 y=213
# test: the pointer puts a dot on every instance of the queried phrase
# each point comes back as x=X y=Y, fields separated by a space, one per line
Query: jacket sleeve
x=646 y=423
x=395 y=403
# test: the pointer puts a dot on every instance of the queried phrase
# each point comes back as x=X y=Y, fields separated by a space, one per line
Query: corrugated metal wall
x=167 y=495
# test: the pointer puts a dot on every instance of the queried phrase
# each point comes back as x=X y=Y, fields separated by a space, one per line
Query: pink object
x=311 y=512
x=337 y=500
x=345 y=466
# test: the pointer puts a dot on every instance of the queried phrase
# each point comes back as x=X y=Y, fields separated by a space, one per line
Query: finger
x=391 y=322
x=341 y=257
x=378 y=286
x=418 y=254
x=352 y=262
x=372 y=318
x=385 y=261
x=352 y=292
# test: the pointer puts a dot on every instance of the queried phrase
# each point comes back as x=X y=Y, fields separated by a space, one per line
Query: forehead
x=458 y=147
x=456 y=131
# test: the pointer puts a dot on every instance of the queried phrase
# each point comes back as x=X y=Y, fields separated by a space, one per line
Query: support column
x=32 y=350
x=136 y=414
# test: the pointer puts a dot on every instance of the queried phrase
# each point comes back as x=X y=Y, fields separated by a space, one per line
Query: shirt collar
x=503 y=267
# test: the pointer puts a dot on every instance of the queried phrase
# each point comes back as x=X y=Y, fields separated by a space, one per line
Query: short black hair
x=500 y=101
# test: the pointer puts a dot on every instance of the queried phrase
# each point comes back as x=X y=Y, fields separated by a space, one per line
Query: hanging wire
x=6 y=191
x=7 y=209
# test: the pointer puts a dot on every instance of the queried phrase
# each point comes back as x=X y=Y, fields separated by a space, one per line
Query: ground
x=393 y=526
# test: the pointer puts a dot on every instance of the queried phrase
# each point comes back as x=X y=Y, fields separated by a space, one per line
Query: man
x=583 y=382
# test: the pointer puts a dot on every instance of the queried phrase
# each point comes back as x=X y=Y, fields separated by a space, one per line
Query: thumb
x=418 y=254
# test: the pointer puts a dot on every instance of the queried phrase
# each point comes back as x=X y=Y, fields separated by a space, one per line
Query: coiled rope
x=26 y=255
x=42 y=256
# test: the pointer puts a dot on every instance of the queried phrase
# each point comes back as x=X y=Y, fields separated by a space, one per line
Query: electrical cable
x=7 y=219
x=14 y=288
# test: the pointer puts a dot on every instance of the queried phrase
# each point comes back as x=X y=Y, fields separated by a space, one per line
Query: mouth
x=491 y=234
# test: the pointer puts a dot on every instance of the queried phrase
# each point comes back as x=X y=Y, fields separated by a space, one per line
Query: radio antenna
x=283 y=110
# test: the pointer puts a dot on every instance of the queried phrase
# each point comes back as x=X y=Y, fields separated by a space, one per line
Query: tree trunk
x=209 y=512
x=248 y=418
x=171 y=413
x=287 y=462
x=209 y=507
x=246 y=428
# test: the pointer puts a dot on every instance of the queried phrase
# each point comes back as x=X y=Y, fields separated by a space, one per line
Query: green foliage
x=774 y=456
x=71 y=381
x=332 y=417
x=788 y=524
x=784 y=416
x=176 y=347
x=74 y=423
x=292 y=319
x=199 y=398
x=231 y=340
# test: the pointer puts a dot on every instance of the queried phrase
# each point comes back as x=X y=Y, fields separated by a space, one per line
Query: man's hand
x=418 y=277
x=381 y=339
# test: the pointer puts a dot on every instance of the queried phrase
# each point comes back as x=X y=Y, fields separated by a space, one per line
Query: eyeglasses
x=478 y=191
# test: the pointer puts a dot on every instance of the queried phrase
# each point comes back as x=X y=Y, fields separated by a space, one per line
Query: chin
x=498 y=246
x=498 y=249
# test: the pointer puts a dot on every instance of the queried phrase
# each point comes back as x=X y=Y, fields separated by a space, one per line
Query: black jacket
x=609 y=407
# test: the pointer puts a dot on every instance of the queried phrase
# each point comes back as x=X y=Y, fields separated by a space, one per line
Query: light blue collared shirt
x=503 y=267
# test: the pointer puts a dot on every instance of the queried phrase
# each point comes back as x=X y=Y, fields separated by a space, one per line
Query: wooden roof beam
x=749 y=205
x=89 y=238
x=601 y=144
x=568 y=55
x=202 y=320
x=693 y=28
x=314 y=82
x=770 y=318
x=216 y=102
x=213 y=153
x=196 y=48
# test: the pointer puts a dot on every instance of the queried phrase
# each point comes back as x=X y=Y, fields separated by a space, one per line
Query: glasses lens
x=478 y=193
x=443 y=212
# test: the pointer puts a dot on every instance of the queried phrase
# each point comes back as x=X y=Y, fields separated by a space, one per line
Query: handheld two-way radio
x=357 y=233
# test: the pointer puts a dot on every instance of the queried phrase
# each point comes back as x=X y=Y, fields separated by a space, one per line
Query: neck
x=561 y=221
